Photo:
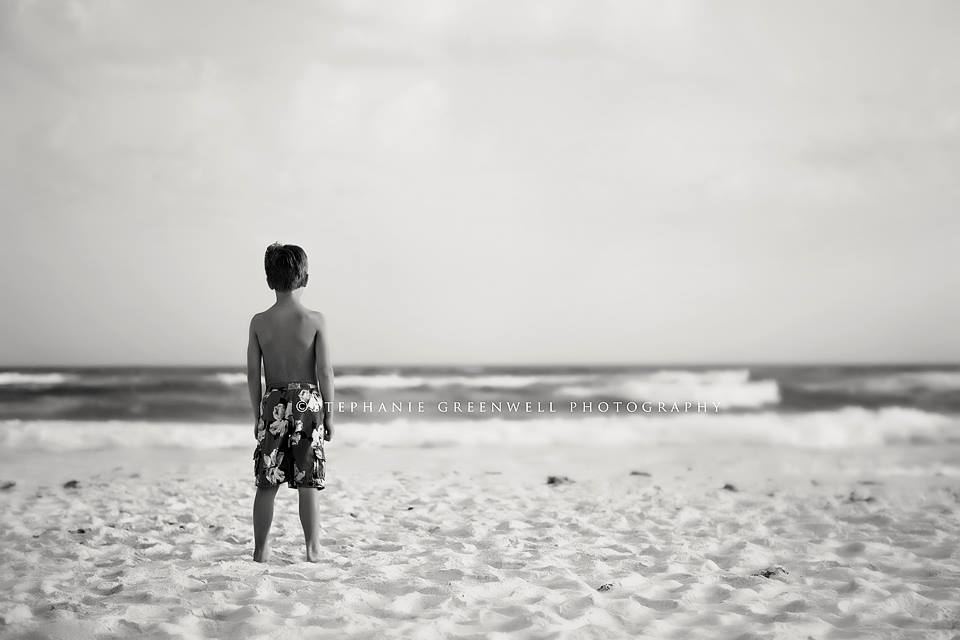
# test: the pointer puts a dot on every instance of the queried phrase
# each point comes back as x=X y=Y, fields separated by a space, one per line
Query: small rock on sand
x=640 y=473
x=605 y=586
x=7 y=485
x=558 y=480
x=71 y=484
x=771 y=572
x=729 y=487
x=855 y=497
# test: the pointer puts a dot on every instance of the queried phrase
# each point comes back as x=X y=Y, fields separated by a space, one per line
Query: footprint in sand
x=657 y=605
x=707 y=594
x=444 y=575
x=941 y=552
x=574 y=608
x=851 y=549
x=505 y=624
x=109 y=588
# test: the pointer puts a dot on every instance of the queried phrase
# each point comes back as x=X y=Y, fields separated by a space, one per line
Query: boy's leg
x=262 y=519
x=310 y=519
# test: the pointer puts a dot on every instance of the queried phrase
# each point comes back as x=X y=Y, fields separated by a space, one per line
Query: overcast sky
x=516 y=181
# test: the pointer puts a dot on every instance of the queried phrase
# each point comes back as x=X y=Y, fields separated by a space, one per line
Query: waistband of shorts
x=293 y=385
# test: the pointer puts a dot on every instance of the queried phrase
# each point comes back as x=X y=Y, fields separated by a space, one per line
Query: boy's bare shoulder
x=261 y=320
x=318 y=319
x=264 y=318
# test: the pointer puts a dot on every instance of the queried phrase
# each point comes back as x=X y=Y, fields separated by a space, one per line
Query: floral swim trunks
x=290 y=438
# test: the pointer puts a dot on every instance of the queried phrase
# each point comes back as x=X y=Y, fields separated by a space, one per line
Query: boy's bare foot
x=262 y=554
x=313 y=552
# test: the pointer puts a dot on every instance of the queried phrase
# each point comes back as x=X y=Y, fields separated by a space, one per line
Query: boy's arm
x=324 y=376
x=253 y=372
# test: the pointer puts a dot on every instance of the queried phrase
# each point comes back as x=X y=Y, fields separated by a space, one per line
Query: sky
x=499 y=181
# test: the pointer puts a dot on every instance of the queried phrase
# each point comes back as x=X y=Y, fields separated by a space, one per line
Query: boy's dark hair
x=286 y=266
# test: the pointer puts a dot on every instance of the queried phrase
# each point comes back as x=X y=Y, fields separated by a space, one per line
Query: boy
x=290 y=420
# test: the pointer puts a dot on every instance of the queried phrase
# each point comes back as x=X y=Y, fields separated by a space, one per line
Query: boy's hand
x=256 y=427
x=327 y=430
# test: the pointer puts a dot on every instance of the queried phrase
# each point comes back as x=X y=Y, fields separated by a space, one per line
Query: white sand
x=471 y=543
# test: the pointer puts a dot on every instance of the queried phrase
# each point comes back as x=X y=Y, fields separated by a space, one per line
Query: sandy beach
x=465 y=542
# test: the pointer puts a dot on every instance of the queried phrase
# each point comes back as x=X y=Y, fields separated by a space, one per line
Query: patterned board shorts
x=290 y=438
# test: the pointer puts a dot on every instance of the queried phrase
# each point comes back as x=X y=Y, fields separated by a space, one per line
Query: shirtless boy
x=291 y=420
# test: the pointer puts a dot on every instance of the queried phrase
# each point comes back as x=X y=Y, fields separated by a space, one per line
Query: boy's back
x=287 y=333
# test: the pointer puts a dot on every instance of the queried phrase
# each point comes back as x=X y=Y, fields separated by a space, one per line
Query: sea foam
x=849 y=427
x=28 y=379
x=729 y=388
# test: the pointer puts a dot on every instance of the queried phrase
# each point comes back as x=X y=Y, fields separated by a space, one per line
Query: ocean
x=805 y=406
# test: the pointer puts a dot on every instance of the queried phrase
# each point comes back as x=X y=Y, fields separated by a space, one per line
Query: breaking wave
x=728 y=388
x=17 y=378
x=843 y=428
